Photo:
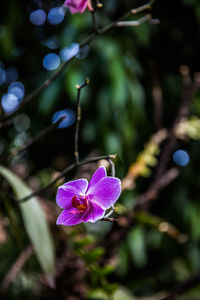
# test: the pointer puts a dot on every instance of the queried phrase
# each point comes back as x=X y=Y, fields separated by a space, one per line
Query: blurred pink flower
x=78 y=6
x=87 y=202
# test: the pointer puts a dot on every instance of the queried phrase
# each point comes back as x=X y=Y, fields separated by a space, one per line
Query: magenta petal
x=76 y=6
x=106 y=192
x=68 y=190
x=97 y=176
x=69 y=218
x=94 y=212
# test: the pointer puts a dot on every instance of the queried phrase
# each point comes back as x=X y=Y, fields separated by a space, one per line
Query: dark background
x=119 y=115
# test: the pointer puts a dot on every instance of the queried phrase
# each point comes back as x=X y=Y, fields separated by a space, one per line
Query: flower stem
x=78 y=118
x=63 y=174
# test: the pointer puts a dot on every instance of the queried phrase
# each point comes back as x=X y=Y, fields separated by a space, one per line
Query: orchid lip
x=80 y=202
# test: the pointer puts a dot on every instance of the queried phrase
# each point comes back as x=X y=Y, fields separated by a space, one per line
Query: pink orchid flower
x=78 y=6
x=87 y=202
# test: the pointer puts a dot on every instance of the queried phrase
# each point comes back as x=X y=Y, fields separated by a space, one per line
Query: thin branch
x=186 y=76
x=157 y=96
x=160 y=224
x=171 y=141
x=134 y=23
x=112 y=167
x=161 y=180
x=94 y=21
x=124 y=17
x=15 y=268
x=123 y=225
x=112 y=220
x=78 y=118
x=40 y=135
x=87 y=41
x=63 y=174
x=152 y=193
x=183 y=287
x=39 y=90
x=143 y=7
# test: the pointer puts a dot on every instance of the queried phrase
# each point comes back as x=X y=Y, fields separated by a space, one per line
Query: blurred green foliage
x=118 y=116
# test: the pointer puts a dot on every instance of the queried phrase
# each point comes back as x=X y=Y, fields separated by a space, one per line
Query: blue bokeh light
x=68 y=121
x=38 y=17
x=2 y=76
x=9 y=103
x=181 y=158
x=83 y=52
x=17 y=88
x=68 y=52
x=52 y=42
x=56 y=15
x=51 y=61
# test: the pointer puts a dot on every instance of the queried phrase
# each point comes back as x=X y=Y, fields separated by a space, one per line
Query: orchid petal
x=97 y=176
x=68 y=190
x=76 y=6
x=106 y=192
x=94 y=212
x=69 y=218
x=90 y=5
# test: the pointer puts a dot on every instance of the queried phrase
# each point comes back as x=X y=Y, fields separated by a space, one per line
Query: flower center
x=80 y=202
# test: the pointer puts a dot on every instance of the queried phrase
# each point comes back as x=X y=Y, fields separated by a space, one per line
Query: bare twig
x=39 y=90
x=156 y=96
x=112 y=167
x=134 y=23
x=125 y=16
x=183 y=287
x=87 y=41
x=161 y=225
x=94 y=21
x=15 y=268
x=152 y=193
x=123 y=225
x=183 y=111
x=78 y=118
x=63 y=173
x=112 y=220
x=186 y=76
x=40 y=135
x=157 y=105
x=161 y=180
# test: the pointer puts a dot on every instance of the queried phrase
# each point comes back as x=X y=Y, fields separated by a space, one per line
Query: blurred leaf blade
x=34 y=222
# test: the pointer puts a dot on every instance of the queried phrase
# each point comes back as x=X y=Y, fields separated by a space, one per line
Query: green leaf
x=123 y=293
x=98 y=294
x=92 y=255
x=82 y=243
x=137 y=246
x=35 y=223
